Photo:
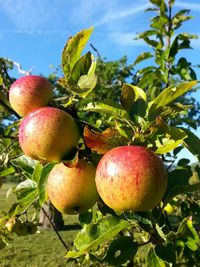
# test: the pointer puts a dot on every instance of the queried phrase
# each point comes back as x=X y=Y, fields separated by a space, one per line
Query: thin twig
x=168 y=39
x=9 y=109
x=95 y=49
x=3 y=151
x=54 y=228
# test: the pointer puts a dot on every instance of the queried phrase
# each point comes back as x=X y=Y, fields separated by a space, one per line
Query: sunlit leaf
x=167 y=96
x=107 y=107
x=93 y=235
x=73 y=49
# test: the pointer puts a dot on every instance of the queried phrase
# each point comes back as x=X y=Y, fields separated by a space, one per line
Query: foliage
x=112 y=110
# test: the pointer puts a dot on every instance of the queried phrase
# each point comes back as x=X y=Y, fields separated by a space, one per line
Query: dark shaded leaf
x=120 y=251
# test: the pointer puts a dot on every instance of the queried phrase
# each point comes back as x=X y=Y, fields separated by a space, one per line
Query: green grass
x=38 y=250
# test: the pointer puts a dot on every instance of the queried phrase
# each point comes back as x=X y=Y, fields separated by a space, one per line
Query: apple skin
x=131 y=178
x=48 y=134
x=72 y=189
x=28 y=93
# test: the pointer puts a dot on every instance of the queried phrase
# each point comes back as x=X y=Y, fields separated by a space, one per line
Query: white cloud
x=121 y=13
x=126 y=39
x=31 y=14
x=30 y=32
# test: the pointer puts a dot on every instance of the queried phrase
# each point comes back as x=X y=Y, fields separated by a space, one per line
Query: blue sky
x=34 y=32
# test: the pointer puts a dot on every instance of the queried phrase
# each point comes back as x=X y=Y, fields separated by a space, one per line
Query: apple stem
x=55 y=230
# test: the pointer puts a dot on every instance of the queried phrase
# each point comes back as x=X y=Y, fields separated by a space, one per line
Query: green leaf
x=107 y=107
x=143 y=56
x=167 y=96
x=37 y=172
x=172 y=138
x=25 y=163
x=120 y=251
x=81 y=67
x=130 y=94
x=138 y=217
x=87 y=84
x=23 y=204
x=179 y=183
x=153 y=260
x=85 y=217
x=180 y=17
x=192 y=143
x=27 y=184
x=7 y=172
x=42 y=182
x=93 y=235
x=187 y=232
x=73 y=49
x=183 y=162
x=25 y=188
x=166 y=252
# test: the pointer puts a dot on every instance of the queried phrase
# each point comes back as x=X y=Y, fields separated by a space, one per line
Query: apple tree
x=147 y=211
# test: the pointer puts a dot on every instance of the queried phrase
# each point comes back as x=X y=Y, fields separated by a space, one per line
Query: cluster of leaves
x=168 y=68
x=144 y=113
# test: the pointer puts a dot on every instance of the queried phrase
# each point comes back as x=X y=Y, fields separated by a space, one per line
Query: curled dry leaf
x=101 y=142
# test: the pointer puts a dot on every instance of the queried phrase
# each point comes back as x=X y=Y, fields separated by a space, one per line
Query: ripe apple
x=28 y=93
x=48 y=134
x=131 y=178
x=72 y=189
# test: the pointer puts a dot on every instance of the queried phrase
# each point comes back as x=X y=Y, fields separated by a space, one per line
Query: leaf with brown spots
x=102 y=142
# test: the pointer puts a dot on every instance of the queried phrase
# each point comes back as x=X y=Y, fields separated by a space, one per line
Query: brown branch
x=55 y=230
x=9 y=109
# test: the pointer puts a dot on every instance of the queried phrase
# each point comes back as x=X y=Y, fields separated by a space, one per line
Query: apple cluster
x=126 y=178
x=48 y=134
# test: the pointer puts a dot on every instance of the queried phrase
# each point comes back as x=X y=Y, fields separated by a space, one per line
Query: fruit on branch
x=28 y=93
x=131 y=178
x=14 y=225
x=48 y=134
x=71 y=188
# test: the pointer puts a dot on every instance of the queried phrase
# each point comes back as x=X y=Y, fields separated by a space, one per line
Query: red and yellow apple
x=131 y=178
x=48 y=134
x=71 y=189
x=28 y=93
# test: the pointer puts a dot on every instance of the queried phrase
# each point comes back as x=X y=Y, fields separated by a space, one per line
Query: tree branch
x=55 y=230
x=9 y=109
x=95 y=49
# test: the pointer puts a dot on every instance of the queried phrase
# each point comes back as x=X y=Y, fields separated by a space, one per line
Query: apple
x=13 y=225
x=71 y=189
x=131 y=178
x=28 y=93
x=48 y=134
